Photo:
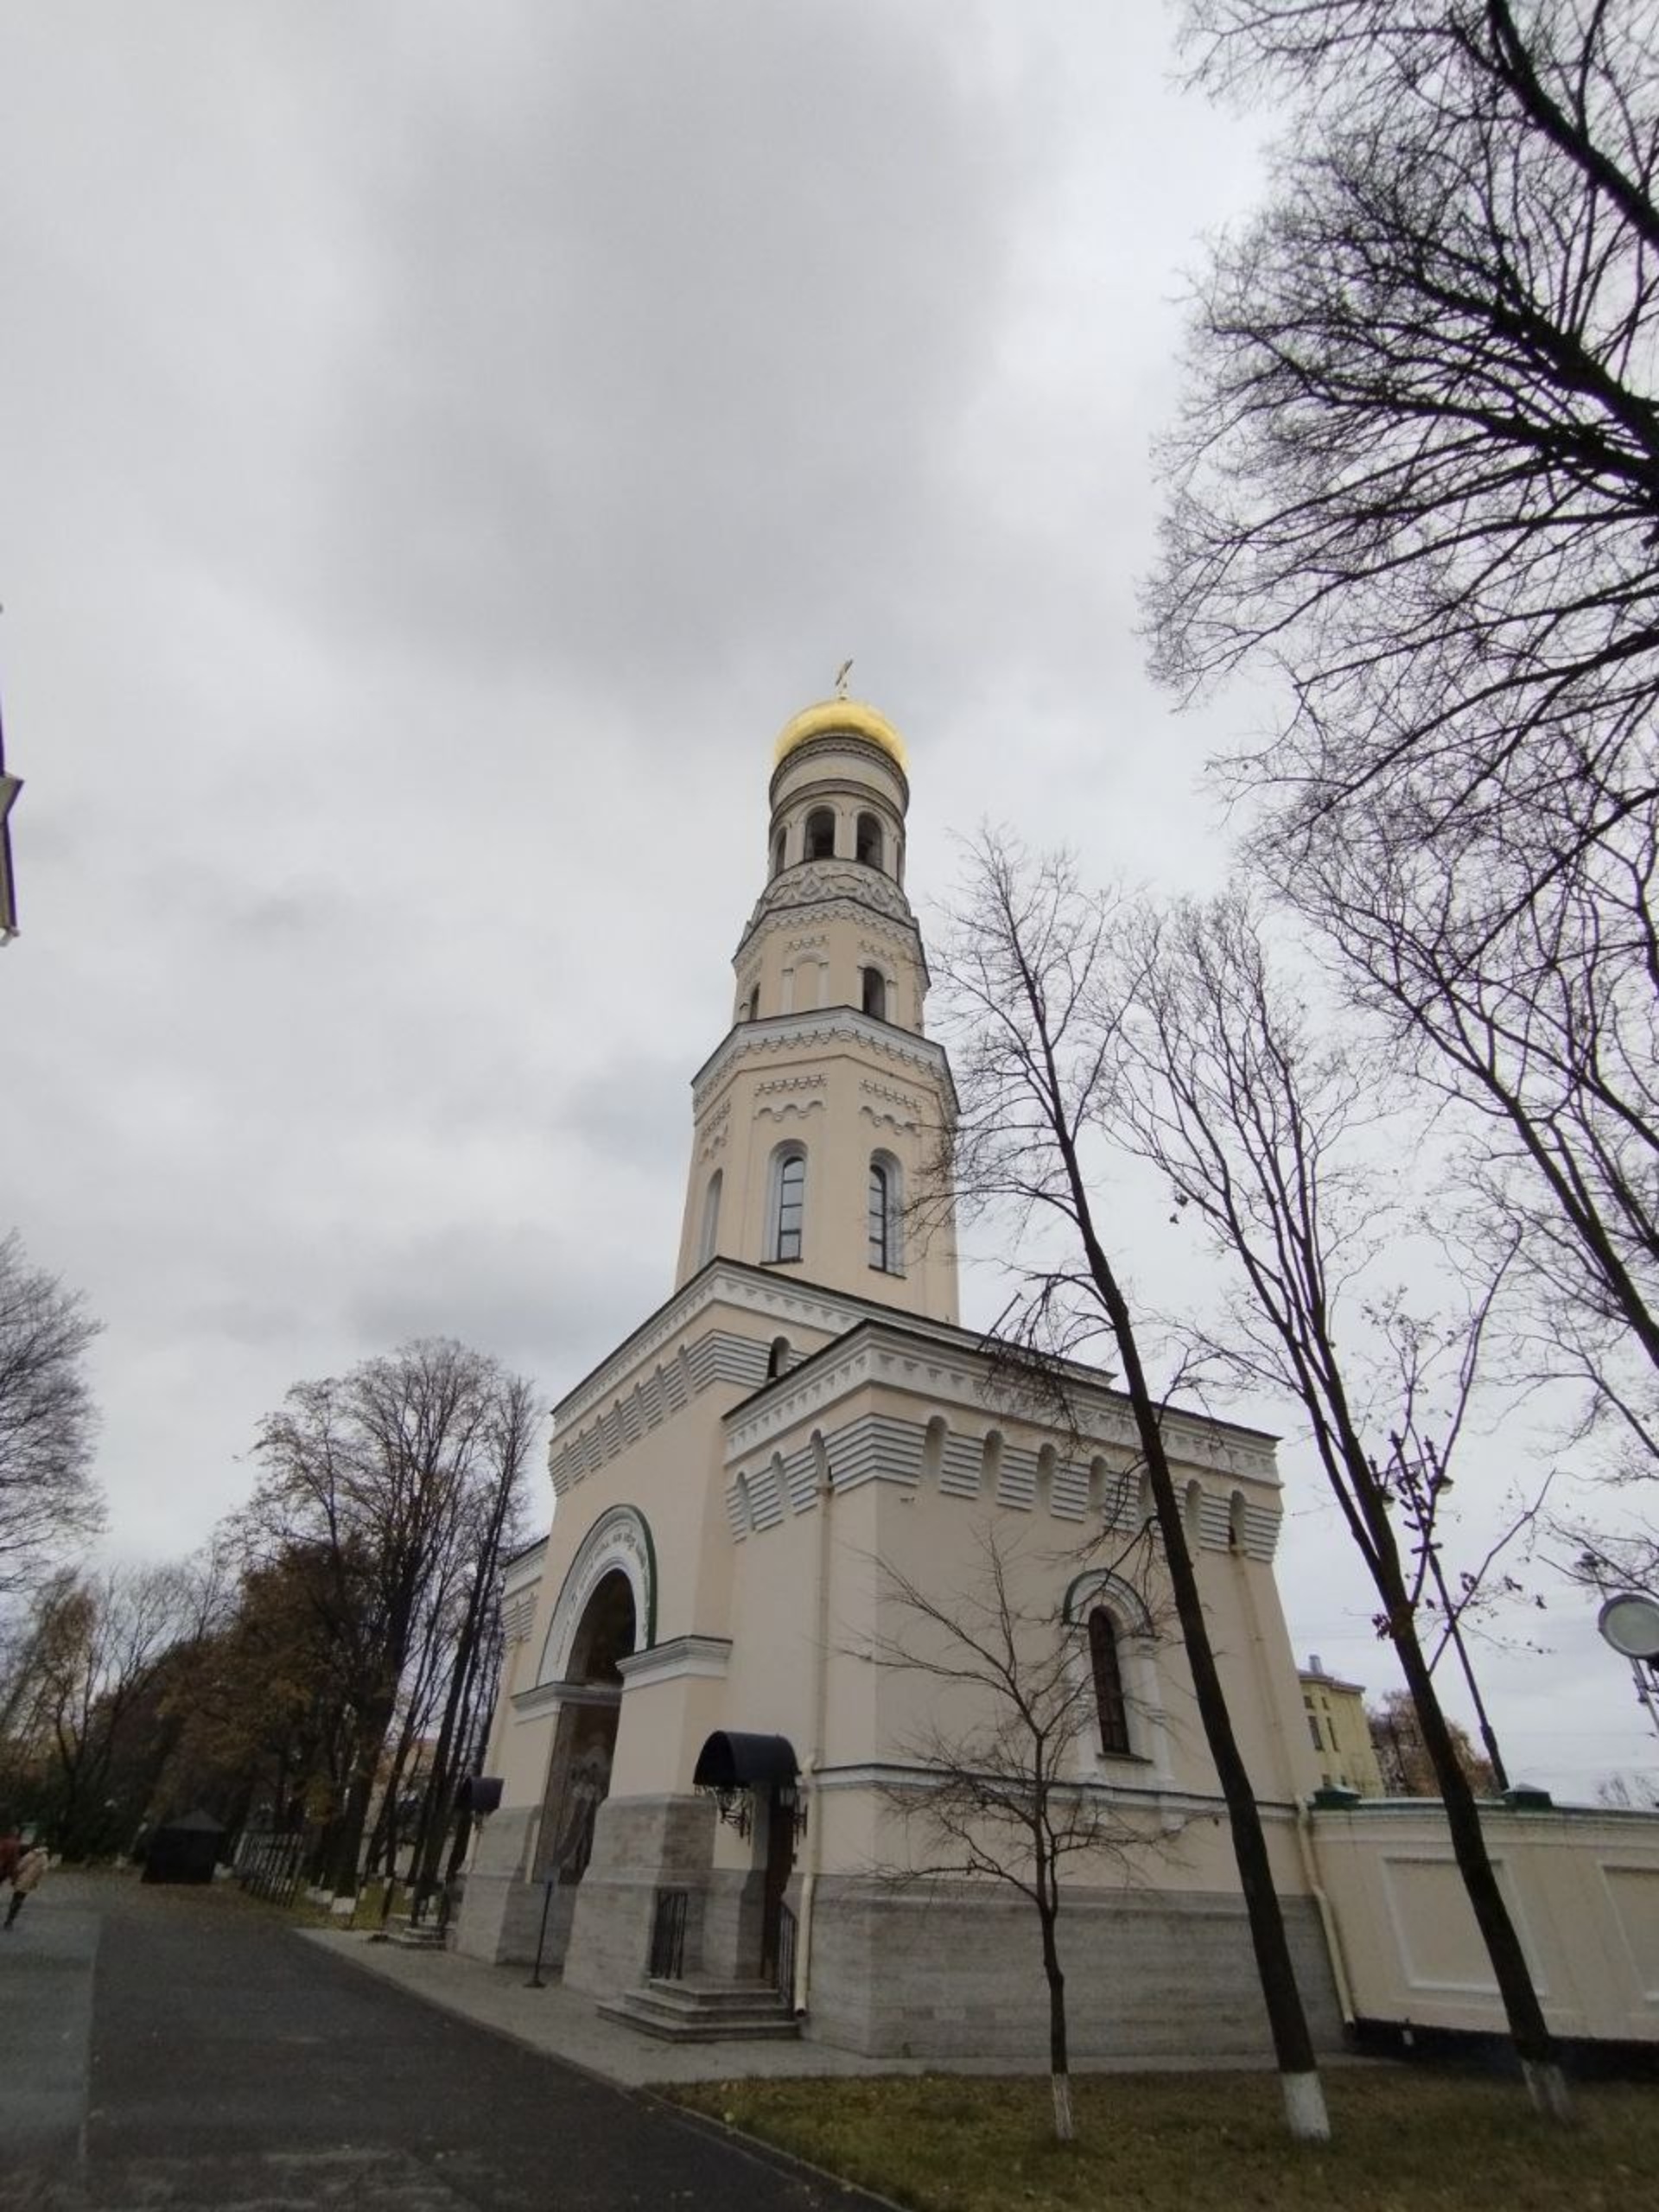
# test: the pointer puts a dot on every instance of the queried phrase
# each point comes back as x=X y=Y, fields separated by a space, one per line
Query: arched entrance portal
x=590 y=1706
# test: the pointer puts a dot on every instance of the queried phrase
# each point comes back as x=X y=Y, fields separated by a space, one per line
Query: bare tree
x=1536 y=1006
x=49 y=1502
x=1419 y=468
x=1418 y=477
x=496 y=1513
x=1000 y=1796
x=1252 y=1111
x=1033 y=1009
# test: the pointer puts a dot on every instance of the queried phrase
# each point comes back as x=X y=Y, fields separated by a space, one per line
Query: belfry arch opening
x=870 y=846
x=821 y=834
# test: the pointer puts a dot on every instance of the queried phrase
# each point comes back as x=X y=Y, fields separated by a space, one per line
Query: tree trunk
x=1535 y=2045
x=1304 y=2110
x=1058 y=2067
x=347 y=1849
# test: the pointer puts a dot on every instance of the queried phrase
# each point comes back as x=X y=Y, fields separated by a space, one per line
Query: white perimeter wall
x=1583 y=1887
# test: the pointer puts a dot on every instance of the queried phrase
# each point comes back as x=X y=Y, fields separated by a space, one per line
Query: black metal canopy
x=730 y=1760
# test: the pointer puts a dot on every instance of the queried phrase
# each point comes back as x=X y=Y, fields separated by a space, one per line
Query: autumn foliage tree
x=384 y=1493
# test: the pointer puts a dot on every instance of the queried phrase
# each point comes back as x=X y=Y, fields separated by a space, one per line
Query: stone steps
x=702 y=2010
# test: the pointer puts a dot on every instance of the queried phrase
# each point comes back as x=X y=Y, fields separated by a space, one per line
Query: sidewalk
x=565 y=2024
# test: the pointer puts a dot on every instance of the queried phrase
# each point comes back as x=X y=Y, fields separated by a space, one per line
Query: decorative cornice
x=701 y=1657
x=814 y=1030
x=728 y=1282
x=960 y=1369
x=548 y=1697
x=831 y=728
x=814 y=883
x=897 y=1774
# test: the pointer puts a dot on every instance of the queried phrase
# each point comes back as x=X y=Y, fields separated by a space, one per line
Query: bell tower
x=818 y=1119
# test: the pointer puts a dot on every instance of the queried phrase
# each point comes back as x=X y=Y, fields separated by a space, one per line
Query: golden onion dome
x=839 y=718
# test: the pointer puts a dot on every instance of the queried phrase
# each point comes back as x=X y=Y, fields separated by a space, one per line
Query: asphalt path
x=171 y=2048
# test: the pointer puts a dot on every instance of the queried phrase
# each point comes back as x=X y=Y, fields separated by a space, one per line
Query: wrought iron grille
x=267 y=1866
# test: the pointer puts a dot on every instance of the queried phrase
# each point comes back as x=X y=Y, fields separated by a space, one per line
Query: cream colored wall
x=1583 y=1888
x=804 y=959
x=843 y=1100
x=881 y=1715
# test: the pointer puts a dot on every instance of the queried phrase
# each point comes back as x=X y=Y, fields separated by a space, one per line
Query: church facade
x=705 y=1756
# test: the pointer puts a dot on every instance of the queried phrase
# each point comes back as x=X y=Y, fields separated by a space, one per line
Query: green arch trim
x=619 y=1516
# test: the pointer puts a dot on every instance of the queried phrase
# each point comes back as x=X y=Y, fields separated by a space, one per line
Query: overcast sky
x=440 y=447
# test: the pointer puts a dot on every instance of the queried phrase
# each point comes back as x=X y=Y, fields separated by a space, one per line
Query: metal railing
x=783 y=1976
x=668 y=1936
x=269 y=1866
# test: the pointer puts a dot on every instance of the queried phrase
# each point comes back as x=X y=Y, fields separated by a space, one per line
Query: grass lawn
x=1406 y=2140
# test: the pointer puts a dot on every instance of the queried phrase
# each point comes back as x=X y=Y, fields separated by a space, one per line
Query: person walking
x=27 y=1877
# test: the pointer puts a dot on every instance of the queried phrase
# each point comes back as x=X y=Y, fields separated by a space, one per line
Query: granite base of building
x=942 y=1970
x=500 y=1916
x=954 y=1971
x=642 y=1846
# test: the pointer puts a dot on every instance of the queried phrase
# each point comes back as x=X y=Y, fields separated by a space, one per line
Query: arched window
x=1110 y=1704
x=710 y=1218
x=788 y=1204
x=752 y=1005
x=933 y=1442
x=777 y=853
x=1047 y=1460
x=868 y=847
x=880 y=1212
x=778 y=1358
x=1235 y=1523
x=821 y=834
x=874 y=984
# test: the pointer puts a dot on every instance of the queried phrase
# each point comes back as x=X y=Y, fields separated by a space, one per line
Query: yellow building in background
x=1341 y=1733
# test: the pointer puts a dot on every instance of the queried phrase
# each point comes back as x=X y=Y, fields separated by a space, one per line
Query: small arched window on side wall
x=1111 y=1706
x=788 y=1204
x=778 y=1358
x=873 y=993
x=1192 y=1514
x=868 y=846
x=708 y=1239
x=821 y=834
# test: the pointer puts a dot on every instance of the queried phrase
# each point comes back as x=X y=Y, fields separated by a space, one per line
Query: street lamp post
x=1629 y=1624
